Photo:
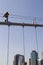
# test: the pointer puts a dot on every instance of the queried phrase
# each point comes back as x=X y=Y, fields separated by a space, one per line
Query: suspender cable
x=36 y=38
x=35 y=22
x=23 y=42
x=8 y=45
x=6 y=21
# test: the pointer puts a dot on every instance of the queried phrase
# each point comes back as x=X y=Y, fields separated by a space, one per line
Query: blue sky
x=33 y=8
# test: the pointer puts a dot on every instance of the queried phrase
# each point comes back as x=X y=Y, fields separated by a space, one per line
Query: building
x=42 y=55
x=25 y=63
x=41 y=61
x=34 y=58
x=29 y=61
x=19 y=60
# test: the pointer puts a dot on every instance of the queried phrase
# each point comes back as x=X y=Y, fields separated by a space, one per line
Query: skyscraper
x=34 y=57
x=19 y=60
x=41 y=61
x=29 y=61
x=42 y=55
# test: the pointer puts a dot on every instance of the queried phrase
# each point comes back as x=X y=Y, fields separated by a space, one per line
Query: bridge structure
x=7 y=23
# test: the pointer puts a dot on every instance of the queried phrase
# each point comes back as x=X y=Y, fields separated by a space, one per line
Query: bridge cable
x=35 y=22
x=23 y=42
x=36 y=38
x=8 y=45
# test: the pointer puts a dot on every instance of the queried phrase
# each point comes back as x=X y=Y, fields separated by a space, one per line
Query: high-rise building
x=34 y=57
x=42 y=55
x=41 y=61
x=25 y=63
x=29 y=61
x=19 y=60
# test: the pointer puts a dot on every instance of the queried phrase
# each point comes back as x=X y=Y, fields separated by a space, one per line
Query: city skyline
x=33 y=60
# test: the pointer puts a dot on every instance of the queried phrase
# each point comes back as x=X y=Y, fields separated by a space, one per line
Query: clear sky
x=33 y=8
